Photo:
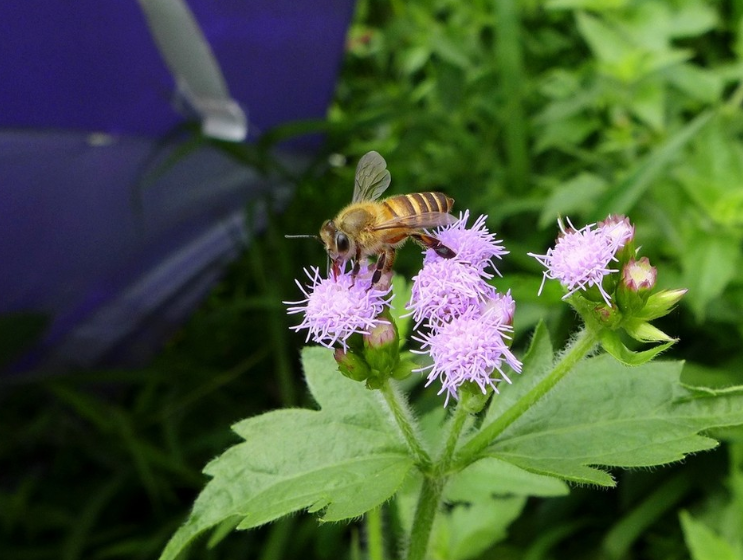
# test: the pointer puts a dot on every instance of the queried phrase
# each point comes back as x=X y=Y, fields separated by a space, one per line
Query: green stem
x=433 y=486
x=405 y=421
x=578 y=349
x=374 y=535
x=425 y=513
x=455 y=430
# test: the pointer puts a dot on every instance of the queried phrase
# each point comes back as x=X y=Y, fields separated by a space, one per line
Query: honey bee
x=372 y=227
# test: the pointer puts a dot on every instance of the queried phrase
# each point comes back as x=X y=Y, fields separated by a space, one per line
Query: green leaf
x=605 y=413
x=492 y=477
x=622 y=198
x=574 y=196
x=604 y=41
x=696 y=82
x=467 y=530
x=611 y=342
x=626 y=530
x=703 y=543
x=649 y=103
x=643 y=331
x=595 y=5
x=709 y=264
x=536 y=364
x=346 y=458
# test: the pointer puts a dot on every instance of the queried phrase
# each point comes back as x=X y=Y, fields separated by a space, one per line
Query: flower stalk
x=406 y=423
x=432 y=489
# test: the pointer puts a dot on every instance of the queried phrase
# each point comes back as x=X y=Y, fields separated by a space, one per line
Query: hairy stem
x=425 y=513
x=405 y=421
x=433 y=486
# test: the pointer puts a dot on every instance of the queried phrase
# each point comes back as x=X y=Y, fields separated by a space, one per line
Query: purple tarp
x=85 y=100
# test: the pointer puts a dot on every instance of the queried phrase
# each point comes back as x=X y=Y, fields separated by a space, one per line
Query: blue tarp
x=85 y=103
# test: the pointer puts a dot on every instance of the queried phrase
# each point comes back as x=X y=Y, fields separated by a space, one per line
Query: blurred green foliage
x=522 y=110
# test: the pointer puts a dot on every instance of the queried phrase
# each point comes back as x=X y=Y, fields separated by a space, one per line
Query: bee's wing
x=419 y=221
x=372 y=177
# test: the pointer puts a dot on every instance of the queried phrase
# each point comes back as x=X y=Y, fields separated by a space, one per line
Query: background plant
x=521 y=110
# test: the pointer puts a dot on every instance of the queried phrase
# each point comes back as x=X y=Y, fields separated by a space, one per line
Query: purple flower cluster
x=336 y=308
x=467 y=320
x=580 y=258
x=446 y=288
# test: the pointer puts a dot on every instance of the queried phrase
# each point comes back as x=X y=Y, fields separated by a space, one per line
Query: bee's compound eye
x=341 y=243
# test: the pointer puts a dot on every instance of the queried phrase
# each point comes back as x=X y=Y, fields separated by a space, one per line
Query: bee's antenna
x=300 y=236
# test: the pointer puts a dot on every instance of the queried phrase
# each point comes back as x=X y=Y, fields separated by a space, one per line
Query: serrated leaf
x=605 y=413
x=343 y=459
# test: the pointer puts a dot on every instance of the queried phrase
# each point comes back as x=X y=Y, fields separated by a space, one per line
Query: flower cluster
x=608 y=285
x=335 y=308
x=581 y=258
x=467 y=320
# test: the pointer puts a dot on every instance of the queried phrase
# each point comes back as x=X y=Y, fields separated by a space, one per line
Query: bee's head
x=339 y=246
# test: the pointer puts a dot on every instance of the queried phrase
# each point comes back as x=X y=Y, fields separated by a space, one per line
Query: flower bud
x=382 y=346
x=661 y=303
x=638 y=278
x=351 y=364
x=639 y=275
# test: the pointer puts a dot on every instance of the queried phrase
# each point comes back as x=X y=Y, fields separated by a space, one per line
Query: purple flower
x=475 y=246
x=336 y=308
x=469 y=348
x=580 y=259
x=448 y=288
x=502 y=307
x=444 y=289
x=618 y=229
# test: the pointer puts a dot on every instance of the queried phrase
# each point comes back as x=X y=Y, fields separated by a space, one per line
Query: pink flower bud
x=639 y=275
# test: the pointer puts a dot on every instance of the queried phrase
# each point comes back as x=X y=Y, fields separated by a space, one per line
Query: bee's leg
x=356 y=267
x=384 y=264
x=355 y=270
x=430 y=242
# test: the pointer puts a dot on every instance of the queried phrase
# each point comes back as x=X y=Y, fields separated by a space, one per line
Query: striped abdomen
x=418 y=204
